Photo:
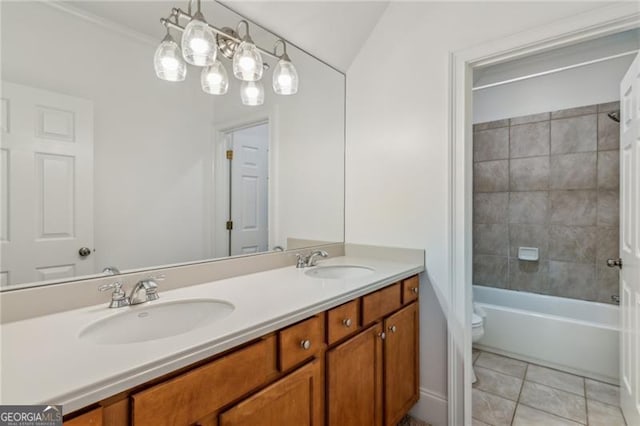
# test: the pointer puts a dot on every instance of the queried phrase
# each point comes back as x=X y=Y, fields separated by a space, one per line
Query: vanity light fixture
x=285 y=76
x=201 y=42
x=252 y=93
x=168 y=61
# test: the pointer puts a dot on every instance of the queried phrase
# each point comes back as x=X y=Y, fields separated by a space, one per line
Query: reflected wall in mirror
x=104 y=164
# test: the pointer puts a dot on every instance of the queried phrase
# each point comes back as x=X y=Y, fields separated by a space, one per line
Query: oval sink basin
x=156 y=321
x=336 y=272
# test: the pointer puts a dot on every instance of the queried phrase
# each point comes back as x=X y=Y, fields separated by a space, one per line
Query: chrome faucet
x=144 y=291
x=308 y=260
x=312 y=257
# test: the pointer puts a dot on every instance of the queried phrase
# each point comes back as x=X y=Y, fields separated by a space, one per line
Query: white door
x=249 y=183
x=630 y=242
x=47 y=185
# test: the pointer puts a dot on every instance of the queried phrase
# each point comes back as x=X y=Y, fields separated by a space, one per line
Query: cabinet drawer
x=300 y=341
x=410 y=289
x=378 y=304
x=191 y=396
x=342 y=321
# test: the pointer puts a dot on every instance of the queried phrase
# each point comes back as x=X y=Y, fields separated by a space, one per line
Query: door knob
x=84 y=251
x=393 y=329
x=612 y=263
x=347 y=322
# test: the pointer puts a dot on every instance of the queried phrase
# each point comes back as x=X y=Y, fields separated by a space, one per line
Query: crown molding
x=105 y=23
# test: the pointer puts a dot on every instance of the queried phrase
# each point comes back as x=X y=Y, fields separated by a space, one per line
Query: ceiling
x=333 y=31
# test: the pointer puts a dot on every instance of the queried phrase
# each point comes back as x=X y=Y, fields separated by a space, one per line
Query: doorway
x=247 y=195
x=463 y=63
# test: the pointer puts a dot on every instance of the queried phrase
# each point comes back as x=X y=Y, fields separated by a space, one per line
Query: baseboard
x=430 y=408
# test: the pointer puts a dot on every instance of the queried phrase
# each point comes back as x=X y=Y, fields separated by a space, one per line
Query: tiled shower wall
x=549 y=181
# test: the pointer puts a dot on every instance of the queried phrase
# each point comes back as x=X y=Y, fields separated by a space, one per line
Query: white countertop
x=44 y=362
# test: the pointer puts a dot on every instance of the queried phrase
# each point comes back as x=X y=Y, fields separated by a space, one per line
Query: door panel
x=354 y=380
x=47 y=185
x=401 y=363
x=293 y=400
x=630 y=242
x=249 y=183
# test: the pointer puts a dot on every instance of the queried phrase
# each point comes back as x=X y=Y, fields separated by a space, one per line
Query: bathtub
x=566 y=334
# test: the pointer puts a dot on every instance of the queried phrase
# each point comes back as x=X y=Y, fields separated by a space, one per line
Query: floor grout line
x=524 y=379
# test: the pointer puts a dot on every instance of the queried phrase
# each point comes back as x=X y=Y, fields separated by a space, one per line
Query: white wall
x=589 y=85
x=397 y=161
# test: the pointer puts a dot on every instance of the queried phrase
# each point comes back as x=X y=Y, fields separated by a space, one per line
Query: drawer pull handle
x=382 y=335
x=347 y=322
x=305 y=344
x=393 y=329
x=414 y=289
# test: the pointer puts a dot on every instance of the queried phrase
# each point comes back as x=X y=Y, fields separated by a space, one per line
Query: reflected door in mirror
x=47 y=181
x=249 y=189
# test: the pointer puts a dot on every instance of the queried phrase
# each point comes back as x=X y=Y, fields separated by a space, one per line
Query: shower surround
x=549 y=181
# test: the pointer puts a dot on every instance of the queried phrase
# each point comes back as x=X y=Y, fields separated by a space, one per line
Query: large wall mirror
x=106 y=165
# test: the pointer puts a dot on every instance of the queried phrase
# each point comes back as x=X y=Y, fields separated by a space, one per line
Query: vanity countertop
x=44 y=362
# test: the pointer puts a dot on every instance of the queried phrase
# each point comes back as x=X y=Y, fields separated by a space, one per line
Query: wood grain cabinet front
x=90 y=418
x=300 y=342
x=343 y=321
x=354 y=380
x=401 y=363
x=296 y=399
x=372 y=378
x=191 y=396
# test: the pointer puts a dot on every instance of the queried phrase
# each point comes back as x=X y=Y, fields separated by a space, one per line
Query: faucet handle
x=118 y=297
x=116 y=286
x=302 y=260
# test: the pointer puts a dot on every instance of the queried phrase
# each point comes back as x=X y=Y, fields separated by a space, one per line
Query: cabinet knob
x=414 y=289
x=382 y=335
x=347 y=322
x=305 y=344
x=393 y=329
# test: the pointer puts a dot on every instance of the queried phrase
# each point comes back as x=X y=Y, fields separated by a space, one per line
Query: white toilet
x=477 y=329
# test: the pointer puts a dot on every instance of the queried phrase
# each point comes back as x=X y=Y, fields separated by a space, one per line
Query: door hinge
x=229 y=225
x=229 y=154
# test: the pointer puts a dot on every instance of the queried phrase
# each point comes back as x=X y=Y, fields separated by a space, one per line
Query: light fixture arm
x=179 y=13
x=284 y=50
x=246 y=27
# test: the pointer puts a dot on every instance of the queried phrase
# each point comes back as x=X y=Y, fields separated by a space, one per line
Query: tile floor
x=512 y=392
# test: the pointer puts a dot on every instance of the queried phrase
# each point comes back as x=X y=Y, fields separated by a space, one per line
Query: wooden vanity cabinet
x=355 y=364
x=372 y=378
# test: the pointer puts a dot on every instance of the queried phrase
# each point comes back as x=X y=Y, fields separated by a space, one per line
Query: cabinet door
x=296 y=399
x=401 y=363
x=354 y=380
x=91 y=418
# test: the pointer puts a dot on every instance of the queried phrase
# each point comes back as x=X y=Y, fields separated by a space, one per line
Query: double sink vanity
x=333 y=344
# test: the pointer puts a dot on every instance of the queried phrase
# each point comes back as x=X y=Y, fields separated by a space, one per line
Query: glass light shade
x=168 y=61
x=252 y=93
x=214 y=79
x=285 y=77
x=247 y=61
x=198 y=42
